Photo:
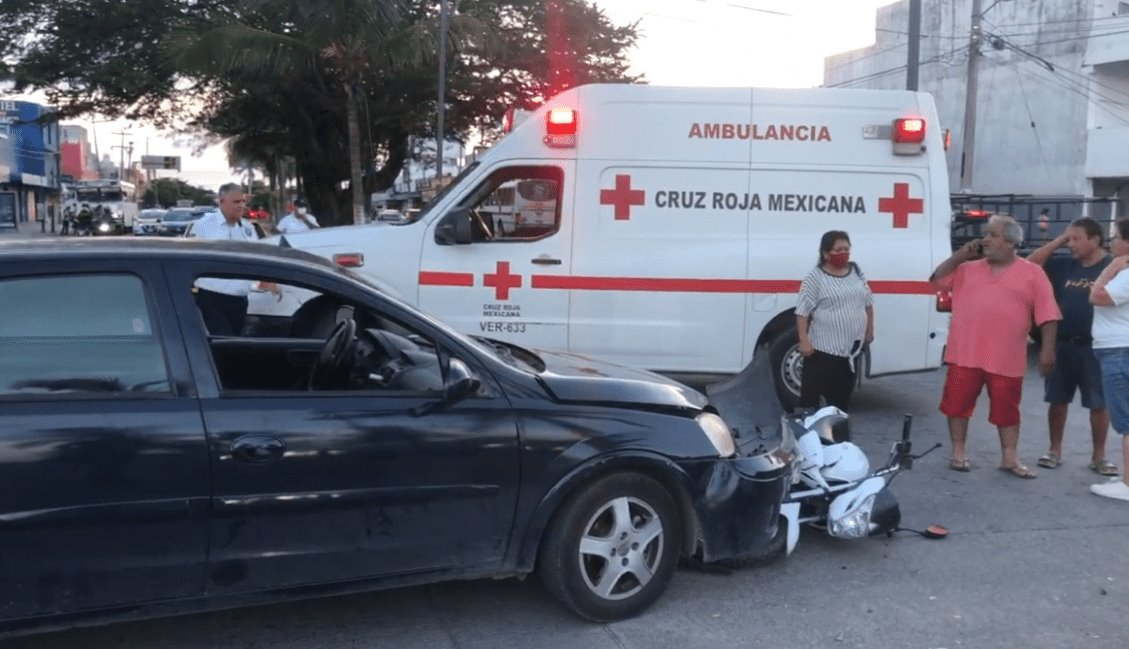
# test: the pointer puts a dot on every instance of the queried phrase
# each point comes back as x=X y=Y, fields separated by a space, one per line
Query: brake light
x=561 y=125
x=948 y=139
x=909 y=135
x=945 y=301
x=349 y=259
x=977 y=214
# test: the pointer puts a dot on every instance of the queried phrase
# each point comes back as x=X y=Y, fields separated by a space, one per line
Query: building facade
x=77 y=160
x=1052 y=112
x=29 y=164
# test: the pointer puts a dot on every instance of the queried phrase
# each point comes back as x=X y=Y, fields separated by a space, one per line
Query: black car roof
x=138 y=248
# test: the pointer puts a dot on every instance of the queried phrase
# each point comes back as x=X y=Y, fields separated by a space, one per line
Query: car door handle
x=257 y=449
x=545 y=260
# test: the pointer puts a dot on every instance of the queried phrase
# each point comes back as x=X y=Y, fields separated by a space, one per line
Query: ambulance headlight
x=718 y=433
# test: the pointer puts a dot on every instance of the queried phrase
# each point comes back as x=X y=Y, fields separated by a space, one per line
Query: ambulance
x=674 y=226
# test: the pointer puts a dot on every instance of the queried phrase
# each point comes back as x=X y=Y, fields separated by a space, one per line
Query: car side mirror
x=460 y=384
x=454 y=228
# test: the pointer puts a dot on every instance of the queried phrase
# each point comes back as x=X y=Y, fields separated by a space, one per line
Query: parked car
x=148 y=220
x=152 y=468
x=177 y=220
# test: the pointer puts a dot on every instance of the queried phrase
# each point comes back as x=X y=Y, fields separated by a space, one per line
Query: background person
x=995 y=298
x=1076 y=367
x=223 y=302
x=1110 y=297
x=300 y=220
x=835 y=320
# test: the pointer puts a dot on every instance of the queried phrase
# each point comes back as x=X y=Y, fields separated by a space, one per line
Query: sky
x=768 y=43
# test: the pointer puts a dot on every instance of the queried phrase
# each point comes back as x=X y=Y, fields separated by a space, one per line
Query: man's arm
x=968 y=251
x=1049 y=335
x=1045 y=251
x=1099 y=296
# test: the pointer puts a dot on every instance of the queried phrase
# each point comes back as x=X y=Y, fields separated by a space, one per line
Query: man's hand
x=970 y=250
x=1047 y=360
x=805 y=348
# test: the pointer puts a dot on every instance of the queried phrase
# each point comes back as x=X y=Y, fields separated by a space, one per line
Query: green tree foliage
x=165 y=192
x=333 y=87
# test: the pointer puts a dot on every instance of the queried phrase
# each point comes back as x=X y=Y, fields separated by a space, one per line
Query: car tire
x=612 y=547
x=787 y=367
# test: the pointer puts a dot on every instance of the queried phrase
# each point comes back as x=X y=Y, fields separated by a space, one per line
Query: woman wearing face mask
x=300 y=220
x=835 y=319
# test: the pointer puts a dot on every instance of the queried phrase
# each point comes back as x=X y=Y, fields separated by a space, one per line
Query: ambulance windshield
x=458 y=180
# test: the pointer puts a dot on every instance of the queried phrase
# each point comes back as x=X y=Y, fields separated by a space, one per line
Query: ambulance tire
x=787 y=367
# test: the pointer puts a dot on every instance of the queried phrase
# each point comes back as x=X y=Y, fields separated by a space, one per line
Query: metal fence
x=971 y=212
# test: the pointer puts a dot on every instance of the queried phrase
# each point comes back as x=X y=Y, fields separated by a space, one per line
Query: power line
x=1031 y=116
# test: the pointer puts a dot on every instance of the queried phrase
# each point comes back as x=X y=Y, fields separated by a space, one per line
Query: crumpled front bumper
x=737 y=502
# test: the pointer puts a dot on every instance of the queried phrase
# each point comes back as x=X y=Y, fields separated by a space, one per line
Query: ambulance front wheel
x=787 y=367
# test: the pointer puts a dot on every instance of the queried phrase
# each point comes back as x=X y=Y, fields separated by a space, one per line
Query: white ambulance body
x=683 y=221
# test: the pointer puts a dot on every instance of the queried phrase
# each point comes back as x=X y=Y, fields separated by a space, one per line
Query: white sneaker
x=1115 y=489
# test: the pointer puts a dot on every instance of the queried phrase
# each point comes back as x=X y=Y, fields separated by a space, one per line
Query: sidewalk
x=25 y=232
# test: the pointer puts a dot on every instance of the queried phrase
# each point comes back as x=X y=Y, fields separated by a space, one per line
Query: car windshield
x=151 y=214
x=509 y=353
x=180 y=215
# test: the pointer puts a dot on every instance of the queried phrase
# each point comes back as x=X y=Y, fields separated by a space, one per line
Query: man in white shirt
x=300 y=220
x=223 y=302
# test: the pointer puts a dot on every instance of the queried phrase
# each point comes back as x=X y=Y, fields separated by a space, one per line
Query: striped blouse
x=837 y=308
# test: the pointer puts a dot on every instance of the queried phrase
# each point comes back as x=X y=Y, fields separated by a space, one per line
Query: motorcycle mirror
x=931 y=532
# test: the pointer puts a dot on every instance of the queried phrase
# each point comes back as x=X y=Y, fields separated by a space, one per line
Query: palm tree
x=343 y=42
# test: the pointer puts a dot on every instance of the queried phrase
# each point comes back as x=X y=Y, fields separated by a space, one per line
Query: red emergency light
x=908 y=136
x=349 y=259
x=508 y=120
x=561 y=124
x=945 y=301
x=977 y=214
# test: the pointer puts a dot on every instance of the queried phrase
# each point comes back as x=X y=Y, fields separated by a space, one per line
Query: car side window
x=517 y=204
x=79 y=335
x=301 y=339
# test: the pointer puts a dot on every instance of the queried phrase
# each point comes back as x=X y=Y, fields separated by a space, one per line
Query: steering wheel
x=487 y=233
x=335 y=354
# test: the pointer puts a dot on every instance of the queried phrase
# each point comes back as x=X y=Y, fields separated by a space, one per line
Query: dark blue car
x=152 y=468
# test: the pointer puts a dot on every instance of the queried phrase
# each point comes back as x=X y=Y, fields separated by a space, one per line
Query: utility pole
x=121 y=153
x=914 y=58
x=439 y=148
x=970 y=93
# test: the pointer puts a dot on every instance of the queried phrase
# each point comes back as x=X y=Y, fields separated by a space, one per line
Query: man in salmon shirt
x=995 y=299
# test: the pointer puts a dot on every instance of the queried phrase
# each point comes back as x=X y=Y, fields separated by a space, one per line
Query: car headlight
x=718 y=433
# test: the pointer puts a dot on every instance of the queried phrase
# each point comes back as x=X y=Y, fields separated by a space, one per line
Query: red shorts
x=962 y=388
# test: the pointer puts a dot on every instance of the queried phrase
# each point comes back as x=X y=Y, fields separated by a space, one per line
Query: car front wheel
x=612 y=548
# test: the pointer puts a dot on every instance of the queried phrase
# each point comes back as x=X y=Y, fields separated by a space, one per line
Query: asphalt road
x=1030 y=563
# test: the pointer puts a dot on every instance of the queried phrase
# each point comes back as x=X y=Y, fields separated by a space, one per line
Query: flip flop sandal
x=1105 y=467
x=1019 y=471
x=1049 y=461
x=963 y=465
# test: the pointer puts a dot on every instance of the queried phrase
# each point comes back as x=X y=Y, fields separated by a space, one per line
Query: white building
x=1052 y=116
x=419 y=173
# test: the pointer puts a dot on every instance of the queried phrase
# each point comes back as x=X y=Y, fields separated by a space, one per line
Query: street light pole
x=442 y=106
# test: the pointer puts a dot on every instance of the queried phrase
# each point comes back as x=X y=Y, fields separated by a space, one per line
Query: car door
x=512 y=281
x=336 y=485
x=104 y=463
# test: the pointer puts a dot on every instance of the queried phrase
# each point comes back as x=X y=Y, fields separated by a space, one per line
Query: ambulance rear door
x=825 y=160
x=501 y=284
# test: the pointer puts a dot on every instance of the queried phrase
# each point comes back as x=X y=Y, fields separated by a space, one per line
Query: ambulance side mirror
x=454 y=228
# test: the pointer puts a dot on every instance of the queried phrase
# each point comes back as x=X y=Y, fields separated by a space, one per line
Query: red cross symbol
x=501 y=280
x=623 y=197
x=901 y=205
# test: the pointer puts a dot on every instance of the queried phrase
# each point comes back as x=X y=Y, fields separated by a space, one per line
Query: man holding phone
x=995 y=298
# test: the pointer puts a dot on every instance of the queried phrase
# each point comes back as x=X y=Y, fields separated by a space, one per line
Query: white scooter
x=833 y=487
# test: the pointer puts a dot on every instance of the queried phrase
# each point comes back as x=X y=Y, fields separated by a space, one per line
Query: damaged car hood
x=572 y=377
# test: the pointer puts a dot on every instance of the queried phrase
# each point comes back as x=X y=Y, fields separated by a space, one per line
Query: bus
x=119 y=196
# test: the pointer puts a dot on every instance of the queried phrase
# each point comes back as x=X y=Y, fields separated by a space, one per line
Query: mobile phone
x=979 y=249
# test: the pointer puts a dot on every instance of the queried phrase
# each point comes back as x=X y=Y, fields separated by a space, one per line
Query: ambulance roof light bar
x=561 y=126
